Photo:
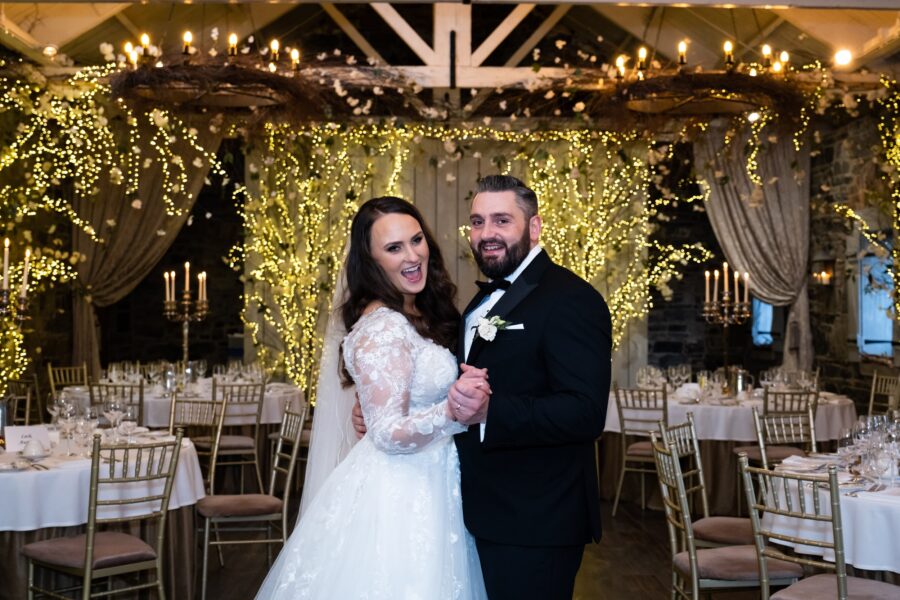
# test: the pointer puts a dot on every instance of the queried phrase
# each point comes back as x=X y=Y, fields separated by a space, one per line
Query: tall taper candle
x=716 y=286
x=6 y=264
x=25 y=274
x=746 y=286
x=172 y=282
x=706 y=297
x=737 y=280
x=187 y=277
x=725 y=273
x=166 y=277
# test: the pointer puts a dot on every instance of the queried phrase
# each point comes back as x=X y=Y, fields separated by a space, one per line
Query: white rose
x=486 y=330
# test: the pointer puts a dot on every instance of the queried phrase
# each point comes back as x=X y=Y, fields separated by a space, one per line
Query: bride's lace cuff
x=382 y=362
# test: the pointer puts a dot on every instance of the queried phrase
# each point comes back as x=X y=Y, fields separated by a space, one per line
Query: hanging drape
x=135 y=230
x=763 y=230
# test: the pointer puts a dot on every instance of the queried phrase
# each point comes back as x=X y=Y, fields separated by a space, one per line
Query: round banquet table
x=44 y=504
x=720 y=428
x=157 y=402
x=871 y=520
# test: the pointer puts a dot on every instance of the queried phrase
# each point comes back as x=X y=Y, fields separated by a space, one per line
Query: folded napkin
x=688 y=391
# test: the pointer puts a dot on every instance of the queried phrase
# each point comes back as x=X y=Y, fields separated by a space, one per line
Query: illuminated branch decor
x=593 y=187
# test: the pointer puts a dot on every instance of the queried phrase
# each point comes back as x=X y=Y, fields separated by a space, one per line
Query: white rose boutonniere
x=487 y=328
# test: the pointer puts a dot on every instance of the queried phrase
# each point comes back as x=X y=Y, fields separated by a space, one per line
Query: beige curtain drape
x=764 y=230
x=134 y=236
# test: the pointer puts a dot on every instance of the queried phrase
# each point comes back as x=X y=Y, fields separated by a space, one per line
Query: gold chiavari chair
x=203 y=417
x=790 y=401
x=19 y=393
x=784 y=496
x=696 y=571
x=243 y=408
x=640 y=411
x=884 y=393
x=222 y=512
x=709 y=532
x=61 y=377
x=129 y=394
x=116 y=472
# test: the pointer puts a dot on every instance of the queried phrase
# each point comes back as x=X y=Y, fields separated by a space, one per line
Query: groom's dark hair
x=525 y=196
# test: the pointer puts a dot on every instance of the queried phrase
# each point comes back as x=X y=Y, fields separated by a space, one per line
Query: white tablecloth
x=59 y=497
x=735 y=423
x=157 y=404
x=871 y=528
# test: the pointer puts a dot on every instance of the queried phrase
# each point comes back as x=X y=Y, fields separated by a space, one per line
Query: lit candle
x=166 y=277
x=642 y=58
x=620 y=66
x=205 y=297
x=200 y=286
x=6 y=264
x=767 y=55
x=716 y=286
x=784 y=57
x=133 y=57
x=172 y=283
x=746 y=287
x=295 y=59
x=188 y=38
x=145 y=41
x=232 y=44
x=706 y=297
x=725 y=273
x=682 y=53
x=274 y=47
x=737 y=280
x=729 y=58
x=25 y=275
x=187 y=277
x=776 y=67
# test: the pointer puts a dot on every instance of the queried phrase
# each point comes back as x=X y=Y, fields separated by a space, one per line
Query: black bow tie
x=489 y=287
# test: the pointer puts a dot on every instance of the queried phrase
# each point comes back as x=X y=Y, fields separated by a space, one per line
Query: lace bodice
x=402 y=380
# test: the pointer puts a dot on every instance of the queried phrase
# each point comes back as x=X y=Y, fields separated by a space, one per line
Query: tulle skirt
x=383 y=526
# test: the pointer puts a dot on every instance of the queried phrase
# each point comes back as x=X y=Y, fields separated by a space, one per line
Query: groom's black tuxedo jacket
x=533 y=480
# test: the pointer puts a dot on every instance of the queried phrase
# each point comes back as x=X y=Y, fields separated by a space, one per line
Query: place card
x=18 y=436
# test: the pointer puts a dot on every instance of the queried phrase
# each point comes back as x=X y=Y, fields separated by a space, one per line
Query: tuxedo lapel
x=461 y=338
x=518 y=291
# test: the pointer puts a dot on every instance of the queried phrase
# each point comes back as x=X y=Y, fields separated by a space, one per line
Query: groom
x=529 y=483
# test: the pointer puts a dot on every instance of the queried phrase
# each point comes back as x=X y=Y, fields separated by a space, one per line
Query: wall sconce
x=823 y=271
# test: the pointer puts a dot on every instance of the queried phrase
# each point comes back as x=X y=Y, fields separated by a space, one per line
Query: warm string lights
x=598 y=219
x=889 y=128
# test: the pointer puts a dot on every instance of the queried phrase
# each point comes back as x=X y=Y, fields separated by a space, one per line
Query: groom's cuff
x=481 y=428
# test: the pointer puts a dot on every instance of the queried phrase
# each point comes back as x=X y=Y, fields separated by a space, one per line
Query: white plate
x=14 y=466
x=34 y=458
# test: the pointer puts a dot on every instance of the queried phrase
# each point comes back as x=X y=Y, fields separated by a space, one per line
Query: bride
x=387 y=523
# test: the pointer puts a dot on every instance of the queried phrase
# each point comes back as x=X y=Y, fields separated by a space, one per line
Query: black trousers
x=529 y=572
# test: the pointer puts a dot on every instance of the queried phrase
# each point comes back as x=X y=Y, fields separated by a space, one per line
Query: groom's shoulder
x=563 y=281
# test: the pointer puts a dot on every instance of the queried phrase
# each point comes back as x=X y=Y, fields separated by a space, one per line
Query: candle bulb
x=232 y=44
x=6 y=264
x=642 y=58
x=737 y=280
x=725 y=282
x=729 y=56
x=172 y=283
x=767 y=55
x=706 y=296
x=295 y=59
x=145 y=41
x=682 y=53
x=128 y=47
x=187 y=277
x=620 y=66
x=746 y=286
x=274 y=47
x=25 y=275
x=166 y=277
x=716 y=286
x=133 y=57
x=188 y=38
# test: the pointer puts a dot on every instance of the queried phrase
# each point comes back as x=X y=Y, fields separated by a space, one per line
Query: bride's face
x=399 y=247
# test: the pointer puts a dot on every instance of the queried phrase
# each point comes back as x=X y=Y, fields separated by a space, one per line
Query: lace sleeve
x=381 y=357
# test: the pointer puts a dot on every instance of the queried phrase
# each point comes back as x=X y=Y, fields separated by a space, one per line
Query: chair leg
x=269 y=545
x=740 y=492
x=259 y=474
x=160 y=590
x=643 y=493
x=205 y=567
x=619 y=489
x=30 y=580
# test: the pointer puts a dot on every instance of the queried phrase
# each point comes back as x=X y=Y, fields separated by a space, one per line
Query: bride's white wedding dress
x=388 y=524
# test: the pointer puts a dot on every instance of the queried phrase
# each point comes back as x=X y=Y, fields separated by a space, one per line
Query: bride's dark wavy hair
x=438 y=317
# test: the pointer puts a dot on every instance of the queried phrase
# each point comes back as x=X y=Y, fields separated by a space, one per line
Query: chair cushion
x=825 y=586
x=227 y=442
x=111 y=549
x=732 y=531
x=640 y=449
x=239 y=505
x=734 y=563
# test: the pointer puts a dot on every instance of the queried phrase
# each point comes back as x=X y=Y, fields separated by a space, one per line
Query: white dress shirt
x=488 y=303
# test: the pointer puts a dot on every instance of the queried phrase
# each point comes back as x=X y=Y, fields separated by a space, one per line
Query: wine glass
x=53 y=408
x=845 y=443
x=112 y=410
x=128 y=423
x=66 y=422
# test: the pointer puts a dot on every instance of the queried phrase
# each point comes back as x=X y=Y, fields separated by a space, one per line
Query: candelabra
x=6 y=307
x=185 y=316
x=726 y=310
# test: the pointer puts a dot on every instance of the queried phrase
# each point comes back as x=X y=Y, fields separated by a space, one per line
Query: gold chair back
x=130 y=394
x=792 y=401
x=19 y=394
x=287 y=447
x=884 y=393
x=204 y=417
x=682 y=439
x=784 y=429
x=807 y=499
x=641 y=410
x=61 y=377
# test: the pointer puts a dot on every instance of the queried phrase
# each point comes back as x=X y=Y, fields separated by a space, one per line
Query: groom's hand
x=469 y=396
x=359 y=424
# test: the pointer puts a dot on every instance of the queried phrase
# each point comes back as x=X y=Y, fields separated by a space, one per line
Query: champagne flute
x=112 y=410
x=128 y=423
x=66 y=421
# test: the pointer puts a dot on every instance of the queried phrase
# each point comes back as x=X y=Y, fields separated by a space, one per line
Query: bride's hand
x=359 y=423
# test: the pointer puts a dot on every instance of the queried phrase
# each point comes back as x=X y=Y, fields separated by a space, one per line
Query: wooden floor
x=631 y=563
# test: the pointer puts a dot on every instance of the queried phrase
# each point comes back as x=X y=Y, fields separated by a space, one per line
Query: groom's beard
x=498 y=268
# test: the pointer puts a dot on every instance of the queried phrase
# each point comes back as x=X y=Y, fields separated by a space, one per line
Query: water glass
x=128 y=423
